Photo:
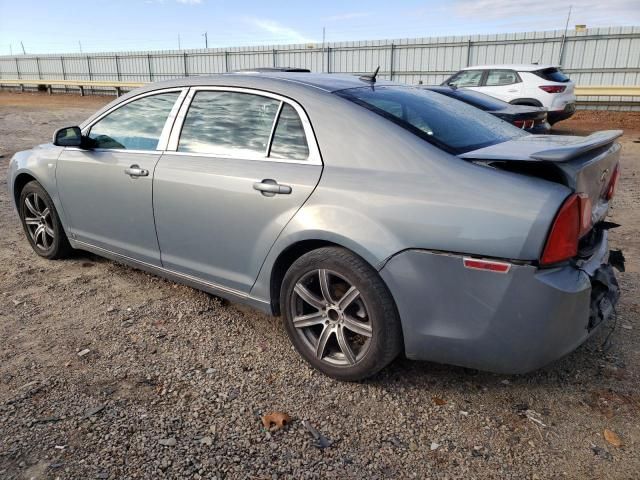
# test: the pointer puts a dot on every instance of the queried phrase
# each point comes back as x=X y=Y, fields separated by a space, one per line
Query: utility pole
x=564 y=37
x=22 y=45
x=206 y=40
x=179 y=46
x=80 y=44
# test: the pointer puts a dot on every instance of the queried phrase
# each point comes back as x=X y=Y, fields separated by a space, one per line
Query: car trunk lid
x=584 y=164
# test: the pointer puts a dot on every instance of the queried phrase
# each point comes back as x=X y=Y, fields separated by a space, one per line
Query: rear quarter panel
x=384 y=190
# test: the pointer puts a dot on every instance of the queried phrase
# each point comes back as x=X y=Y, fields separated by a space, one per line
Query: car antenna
x=370 y=78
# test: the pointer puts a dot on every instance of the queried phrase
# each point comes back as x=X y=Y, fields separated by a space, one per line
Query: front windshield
x=449 y=124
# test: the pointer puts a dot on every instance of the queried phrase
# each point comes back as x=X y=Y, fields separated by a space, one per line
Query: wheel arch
x=532 y=102
x=289 y=255
x=19 y=183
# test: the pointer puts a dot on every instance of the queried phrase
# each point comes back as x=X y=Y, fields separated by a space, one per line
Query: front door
x=106 y=192
x=245 y=162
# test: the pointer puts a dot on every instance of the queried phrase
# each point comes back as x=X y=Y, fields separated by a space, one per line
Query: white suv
x=535 y=85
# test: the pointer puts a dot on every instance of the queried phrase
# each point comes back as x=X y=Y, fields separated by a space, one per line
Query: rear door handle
x=269 y=187
x=136 y=171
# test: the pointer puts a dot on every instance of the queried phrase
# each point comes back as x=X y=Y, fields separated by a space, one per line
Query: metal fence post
x=118 y=75
x=149 y=65
x=274 y=52
x=468 y=52
x=89 y=68
x=184 y=58
x=64 y=72
x=38 y=67
x=17 y=67
x=226 y=61
x=391 y=62
x=328 y=59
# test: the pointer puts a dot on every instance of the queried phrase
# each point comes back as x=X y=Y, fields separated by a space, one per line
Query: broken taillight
x=572 y=222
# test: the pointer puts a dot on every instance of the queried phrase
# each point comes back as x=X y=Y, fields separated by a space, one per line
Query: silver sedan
x=375 y=217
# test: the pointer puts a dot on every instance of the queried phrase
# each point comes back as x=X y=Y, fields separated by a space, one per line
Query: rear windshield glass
x=449 y=124
x=478 y=100
x=552 y=74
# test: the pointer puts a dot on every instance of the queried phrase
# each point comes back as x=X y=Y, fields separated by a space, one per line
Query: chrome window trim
x=166 y=129
x=314 y=157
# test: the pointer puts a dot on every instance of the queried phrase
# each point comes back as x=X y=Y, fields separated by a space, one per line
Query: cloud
x=549 y=12
x=346 y=16
x=279 y=32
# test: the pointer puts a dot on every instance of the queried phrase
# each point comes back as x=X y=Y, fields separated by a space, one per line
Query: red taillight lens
x=524 y=123
x=562 y=242
x=553 y=88
x=611 y=189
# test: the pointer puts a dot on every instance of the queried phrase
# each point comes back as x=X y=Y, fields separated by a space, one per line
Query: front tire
x=339 y=314
x=41 y=223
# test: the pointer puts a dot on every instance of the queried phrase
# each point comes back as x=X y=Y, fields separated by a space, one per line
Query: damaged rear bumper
x=506 y=323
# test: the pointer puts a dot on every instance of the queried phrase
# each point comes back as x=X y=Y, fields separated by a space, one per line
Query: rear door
x=106 y=192
x=505 y=85
x=239 y=165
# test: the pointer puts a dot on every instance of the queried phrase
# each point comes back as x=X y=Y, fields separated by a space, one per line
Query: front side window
x=447 y=123
x=466 y=78
x=136 y=125
x=501 y=77
x=228 y=124
x=289 y=139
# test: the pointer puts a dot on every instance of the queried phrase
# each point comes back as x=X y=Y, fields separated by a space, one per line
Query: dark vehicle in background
x=531 y=119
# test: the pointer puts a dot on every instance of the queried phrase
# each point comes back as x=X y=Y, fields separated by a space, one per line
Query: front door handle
x=269 y=187
x=136 y=171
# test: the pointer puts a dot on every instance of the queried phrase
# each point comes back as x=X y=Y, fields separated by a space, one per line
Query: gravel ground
x=172 y=382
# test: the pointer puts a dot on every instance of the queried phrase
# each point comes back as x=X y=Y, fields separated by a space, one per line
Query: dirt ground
x=175 y=380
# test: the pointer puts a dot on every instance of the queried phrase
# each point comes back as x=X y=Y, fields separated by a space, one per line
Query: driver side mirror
x=68 y=137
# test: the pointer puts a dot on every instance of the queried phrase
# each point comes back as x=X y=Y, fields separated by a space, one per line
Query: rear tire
x=41 y=223
x=339 y=314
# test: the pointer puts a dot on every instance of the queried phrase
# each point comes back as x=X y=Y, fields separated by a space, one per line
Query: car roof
x=328 y=82
x=518 y=67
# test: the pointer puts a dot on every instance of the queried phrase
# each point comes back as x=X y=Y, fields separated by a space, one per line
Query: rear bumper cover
x=505 y=323
x=557 y=115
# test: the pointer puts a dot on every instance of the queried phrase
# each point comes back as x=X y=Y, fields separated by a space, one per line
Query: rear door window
x=501 y=77
x=228 y=124
x=289 y=140
x=466 y=78
x=552 y=74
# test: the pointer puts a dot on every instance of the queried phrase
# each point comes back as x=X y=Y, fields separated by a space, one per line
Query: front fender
x=39 y=163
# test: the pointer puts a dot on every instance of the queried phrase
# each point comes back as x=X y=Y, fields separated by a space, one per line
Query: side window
x=289 y=140
x=466 y=78
x=228 y=123
x=501 y=77
x=136 y=125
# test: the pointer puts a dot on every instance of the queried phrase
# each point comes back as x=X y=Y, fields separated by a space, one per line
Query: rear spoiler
x=543 y=148
x=575 y=149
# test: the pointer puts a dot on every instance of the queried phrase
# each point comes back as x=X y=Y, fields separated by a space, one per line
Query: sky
x=66 y=26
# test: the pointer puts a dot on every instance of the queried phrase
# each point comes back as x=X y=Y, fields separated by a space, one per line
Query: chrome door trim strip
x=161 y=270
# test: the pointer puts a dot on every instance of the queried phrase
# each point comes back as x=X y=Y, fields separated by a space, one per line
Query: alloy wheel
x=37 y=217
x=331 y=317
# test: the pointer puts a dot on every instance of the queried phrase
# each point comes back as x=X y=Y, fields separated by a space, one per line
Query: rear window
x=552 y=74
x=447 y=123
